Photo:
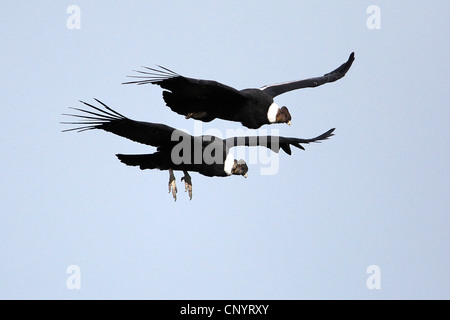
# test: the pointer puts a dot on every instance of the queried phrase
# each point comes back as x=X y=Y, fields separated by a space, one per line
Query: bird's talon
x=172 y=185
x=173 y=189
x=187 y=184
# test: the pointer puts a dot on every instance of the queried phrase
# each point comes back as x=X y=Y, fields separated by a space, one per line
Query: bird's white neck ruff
x=272 y=113
x=228 y=165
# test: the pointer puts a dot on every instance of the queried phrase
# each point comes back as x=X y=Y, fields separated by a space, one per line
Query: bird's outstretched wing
x=279 y=88
x=275 y=143
x=154 y=134
x=186 y=95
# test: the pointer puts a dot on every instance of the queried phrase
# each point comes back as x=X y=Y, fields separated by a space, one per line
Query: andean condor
x=207 y=100
x=176 y=149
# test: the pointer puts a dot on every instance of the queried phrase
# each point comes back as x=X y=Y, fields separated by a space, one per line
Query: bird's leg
x=189 y=115
x=187 y=183
x=172 y=184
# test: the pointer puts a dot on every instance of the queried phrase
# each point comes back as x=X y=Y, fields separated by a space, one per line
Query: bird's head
x=234 y=167
x=239 y=168
x=275 y=114
x=283 y=116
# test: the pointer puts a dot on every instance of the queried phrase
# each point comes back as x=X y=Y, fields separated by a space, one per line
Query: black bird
x=176 y=149
x=207 y=100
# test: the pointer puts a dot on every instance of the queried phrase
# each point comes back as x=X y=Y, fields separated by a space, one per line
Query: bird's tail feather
x=93 y=119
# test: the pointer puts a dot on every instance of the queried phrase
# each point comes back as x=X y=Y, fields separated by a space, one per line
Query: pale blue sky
x=377 y=193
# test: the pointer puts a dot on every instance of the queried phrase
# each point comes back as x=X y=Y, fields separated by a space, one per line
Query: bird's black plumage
x=207 y=100
x=176 y=149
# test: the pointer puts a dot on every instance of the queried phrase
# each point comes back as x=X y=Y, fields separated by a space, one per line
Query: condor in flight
x=176 y=149
x=207 y=100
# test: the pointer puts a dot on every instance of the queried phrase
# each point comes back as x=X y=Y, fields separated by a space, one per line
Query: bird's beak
x=245 y=175
x=289 y=123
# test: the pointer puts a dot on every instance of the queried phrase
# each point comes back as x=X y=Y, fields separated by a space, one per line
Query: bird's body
x=207 y=100
x=178 y=150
